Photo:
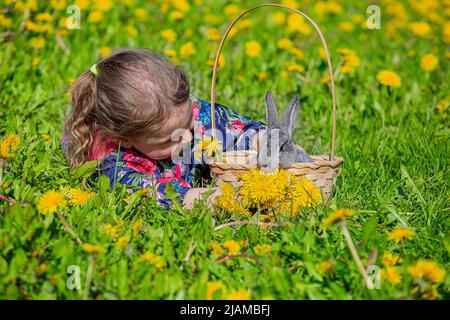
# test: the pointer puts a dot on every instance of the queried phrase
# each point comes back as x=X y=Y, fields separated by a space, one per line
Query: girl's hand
x=196 y=194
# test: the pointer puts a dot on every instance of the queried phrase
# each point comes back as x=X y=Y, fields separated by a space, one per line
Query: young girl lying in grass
x=133 y=111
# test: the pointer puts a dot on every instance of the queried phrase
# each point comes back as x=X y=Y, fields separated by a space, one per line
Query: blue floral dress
x=175 y=177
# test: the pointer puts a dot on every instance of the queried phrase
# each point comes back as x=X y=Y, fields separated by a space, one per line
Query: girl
x=125 y=111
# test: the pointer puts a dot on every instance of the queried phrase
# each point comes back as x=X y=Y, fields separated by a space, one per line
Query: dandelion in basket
x=272 y=194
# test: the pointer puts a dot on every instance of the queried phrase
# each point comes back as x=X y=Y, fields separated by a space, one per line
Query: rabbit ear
x=290 y=115
x=271 y=110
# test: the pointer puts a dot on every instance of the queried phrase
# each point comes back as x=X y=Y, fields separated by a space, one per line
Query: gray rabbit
x=277 y=138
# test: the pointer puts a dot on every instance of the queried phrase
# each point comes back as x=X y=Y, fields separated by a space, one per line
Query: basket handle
x=330 y=68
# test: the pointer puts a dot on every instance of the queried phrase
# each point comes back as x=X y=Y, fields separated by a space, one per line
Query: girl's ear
x=271 y=110
x=290 y=115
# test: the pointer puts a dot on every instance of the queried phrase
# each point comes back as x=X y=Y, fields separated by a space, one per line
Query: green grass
x=395 y=144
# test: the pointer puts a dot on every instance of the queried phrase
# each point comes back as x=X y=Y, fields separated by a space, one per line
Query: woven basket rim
x=319 y=162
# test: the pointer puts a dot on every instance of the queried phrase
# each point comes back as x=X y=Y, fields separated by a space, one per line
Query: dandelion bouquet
x=270 y=194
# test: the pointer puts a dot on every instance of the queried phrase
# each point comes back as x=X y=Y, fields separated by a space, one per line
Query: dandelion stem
x=69 y=229
x=353 y=250
x=87 y=285
x=190 y=252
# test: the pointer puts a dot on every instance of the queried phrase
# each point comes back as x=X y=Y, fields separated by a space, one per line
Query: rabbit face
x=277 y=138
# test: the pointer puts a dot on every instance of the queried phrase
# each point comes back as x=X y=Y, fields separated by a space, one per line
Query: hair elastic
x=94 y=69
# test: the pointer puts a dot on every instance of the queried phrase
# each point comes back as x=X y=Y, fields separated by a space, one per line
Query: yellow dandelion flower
x=290 y=3
x=93 y=248
x=132 y=32
x=37 y=42
x=5 y=21
x=227 y=201
x=399 y=234
x=79 y=197
x=30 y=5
x=298 y=24
x=257 y=188
x=8 y=146
x=325 y=266
x=430 y=293
x=216 y=248
x=105 y=51
x=170 y=53
x=58 y=4
x=326 y=78
x=95 y=16
x=110 y=230
x=391 y=275
x=346 y=26
x=294 y=67
x=239 y=294
x=152 y=259
x=420 y=29
x=50 y=201
x=322 y=53
x=122 y=242
x=187 y=50
x=411 y=53
x=141 y=14
x=213 y=34
x=390 y=260
x=252 y=48
x=243 y=243
x=207 y=147
x=337 y=216
x=279 y=18
x=389 y=78
x=44 y=17
x=103 y=5
x=215 y=289
x=429 y=62
x=231 y=10
x=221 y=61
x=262 y=75
x=298 y=53
x=169 y=35
x=346 y=69
x=137 y=226
x=443 y=105
x=182 y=5
x=232 y=246
x=176 y=15
x=41 y=269
x=301 y=193
x=352 y=60
x=83 y=4
x=446 y=32
x=428 y=270
x=245 y=24
x=285 y=43
x=262 y=249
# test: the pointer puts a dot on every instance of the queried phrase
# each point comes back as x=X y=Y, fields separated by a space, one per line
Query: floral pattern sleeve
x=130 y=167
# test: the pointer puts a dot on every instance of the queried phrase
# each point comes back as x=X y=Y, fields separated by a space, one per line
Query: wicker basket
x=324 y=169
